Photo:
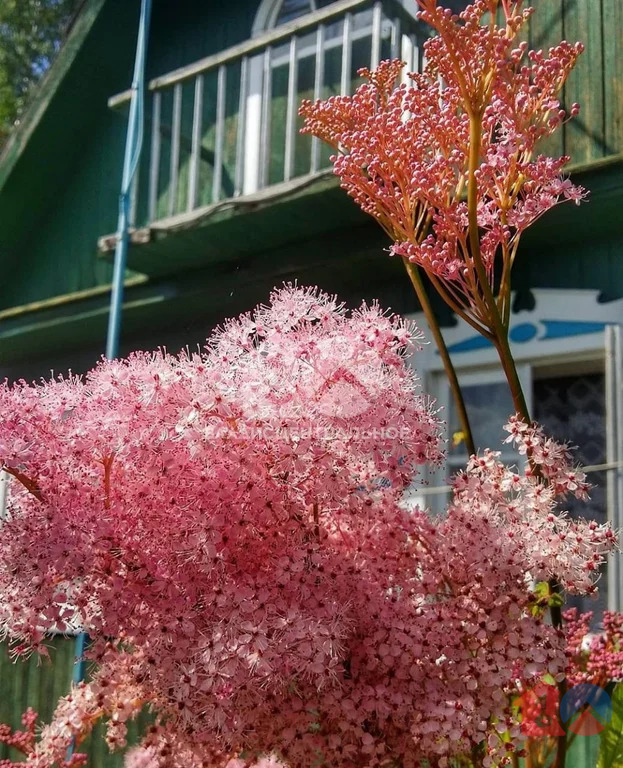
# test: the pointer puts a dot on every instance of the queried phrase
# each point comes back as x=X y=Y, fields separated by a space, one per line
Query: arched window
x=273 y=13
x=292 y=9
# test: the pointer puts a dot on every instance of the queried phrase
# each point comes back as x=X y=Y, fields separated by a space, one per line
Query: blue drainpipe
x=133 y=146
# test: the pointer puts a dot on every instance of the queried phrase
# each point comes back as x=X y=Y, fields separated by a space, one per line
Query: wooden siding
x=65 y=185
x=596 y=83
x=54 y=240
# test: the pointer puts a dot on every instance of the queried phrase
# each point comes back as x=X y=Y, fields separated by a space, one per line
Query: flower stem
x=30 y=485
x=433 y=324
x=519 y=401
x=512 y=376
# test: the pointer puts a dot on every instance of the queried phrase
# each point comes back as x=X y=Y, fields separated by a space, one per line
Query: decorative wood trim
x=68 y=298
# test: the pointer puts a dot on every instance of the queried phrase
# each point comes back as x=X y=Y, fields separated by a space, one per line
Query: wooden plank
x=584 y=135
x=318 y=87
x=154 y=157
x=241 y=126
x=544 y=30
x=176 y=130
x=346 y=55
x=120 y=99
x=377 y=23
x=219 y=133
x=612 y=16
x=291 y=109
x=265 y=130
x=195 y=154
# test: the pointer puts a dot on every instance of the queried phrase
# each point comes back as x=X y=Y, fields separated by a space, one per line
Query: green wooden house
x=230 y=200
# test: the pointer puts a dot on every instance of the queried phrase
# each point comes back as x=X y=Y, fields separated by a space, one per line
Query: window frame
x=547 y=353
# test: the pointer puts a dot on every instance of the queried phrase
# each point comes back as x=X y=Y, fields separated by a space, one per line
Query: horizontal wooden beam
x=120 y=99
x=188 y=219
x=138 y=236
x=68 y=298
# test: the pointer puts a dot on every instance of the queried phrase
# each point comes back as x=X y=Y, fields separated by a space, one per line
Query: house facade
x=230 y=200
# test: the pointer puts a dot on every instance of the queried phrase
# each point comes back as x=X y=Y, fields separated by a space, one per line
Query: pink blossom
x=235 y=544
x=403 y=149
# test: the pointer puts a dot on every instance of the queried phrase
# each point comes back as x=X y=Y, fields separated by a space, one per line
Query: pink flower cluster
x=229 y=528
x=595 y=658
x=24 y=742
x=404 y=151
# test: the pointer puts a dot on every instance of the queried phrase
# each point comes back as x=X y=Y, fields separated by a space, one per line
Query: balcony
x=223 y=142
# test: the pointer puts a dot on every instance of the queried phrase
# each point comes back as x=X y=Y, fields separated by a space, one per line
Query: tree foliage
x=31 y=34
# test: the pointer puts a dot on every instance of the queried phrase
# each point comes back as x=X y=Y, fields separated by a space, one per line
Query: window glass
x=292 y=9
x=456 y=5
x=572 y=409
x=489 y=406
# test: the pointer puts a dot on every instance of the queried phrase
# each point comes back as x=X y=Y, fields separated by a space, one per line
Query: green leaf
x=541 y=589
x=611 y=738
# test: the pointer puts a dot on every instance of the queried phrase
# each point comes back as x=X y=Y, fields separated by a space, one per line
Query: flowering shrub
x=595 y=658
x=24 y=742
x=229 y=527
x=232 y=537
x=447 y=162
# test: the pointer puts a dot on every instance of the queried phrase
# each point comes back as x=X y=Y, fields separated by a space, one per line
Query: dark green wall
x=63 y=189
x=53 y=211
x=183 y=31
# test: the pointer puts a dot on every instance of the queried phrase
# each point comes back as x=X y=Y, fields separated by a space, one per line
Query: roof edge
x=47 y=88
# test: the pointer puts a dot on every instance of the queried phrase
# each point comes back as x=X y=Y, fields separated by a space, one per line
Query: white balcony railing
x=227 y=126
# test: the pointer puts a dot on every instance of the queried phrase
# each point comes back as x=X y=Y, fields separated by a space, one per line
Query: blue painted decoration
x=471 y=344
x=524 y=332
x=561 y=329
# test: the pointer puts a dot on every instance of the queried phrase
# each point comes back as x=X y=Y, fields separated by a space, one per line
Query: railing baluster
x=242 y=120
x=377 y=27
x=291 y=110
x=175 y=147
x=346 y=54
x=417 y=64
x=154 y=163
x=220 y=132
x=266 y=110
x=406 y=54
x=195 y=156
x=254 y=145
x=318 y=83
x=396 y=38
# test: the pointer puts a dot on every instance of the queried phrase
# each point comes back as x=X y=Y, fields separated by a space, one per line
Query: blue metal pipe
x=133 y=147
x=134 y=144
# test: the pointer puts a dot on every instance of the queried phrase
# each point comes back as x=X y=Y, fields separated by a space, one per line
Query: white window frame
x=265 y=20
x=4 y=491
x=598 y=346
